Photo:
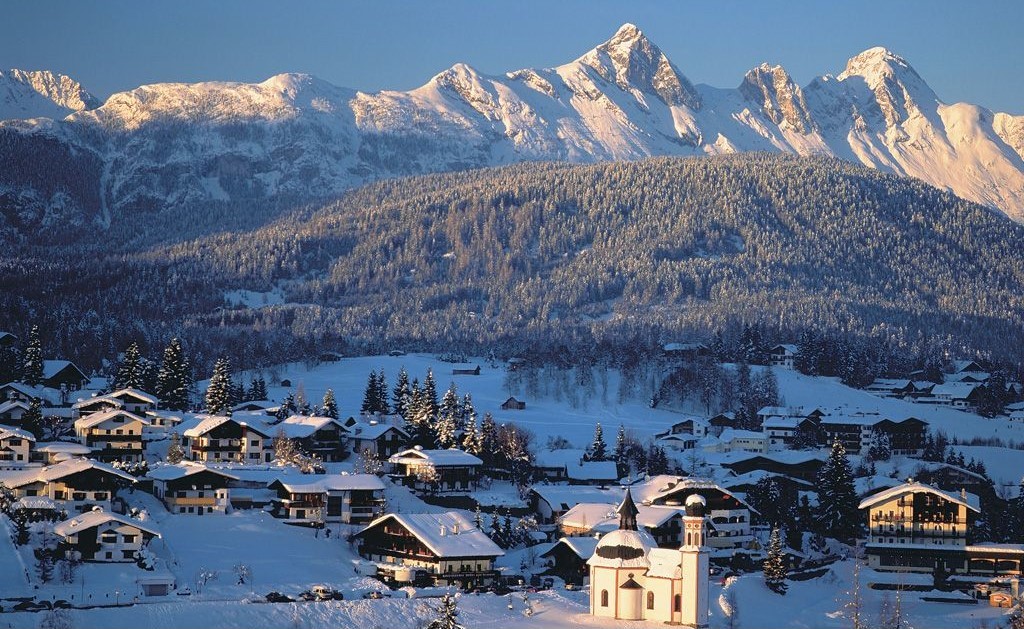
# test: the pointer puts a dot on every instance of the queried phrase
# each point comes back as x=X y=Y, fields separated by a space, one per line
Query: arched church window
x=677 y=603
x=650 y=600
x=604 y=598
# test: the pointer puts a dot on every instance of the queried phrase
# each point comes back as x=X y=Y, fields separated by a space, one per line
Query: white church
x=632 y=579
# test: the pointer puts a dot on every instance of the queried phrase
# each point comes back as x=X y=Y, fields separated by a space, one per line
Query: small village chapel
x=632 y=579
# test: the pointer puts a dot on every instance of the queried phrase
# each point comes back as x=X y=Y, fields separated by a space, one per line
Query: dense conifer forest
x=553 y=257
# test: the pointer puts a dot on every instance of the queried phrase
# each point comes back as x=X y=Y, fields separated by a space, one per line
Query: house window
x=254 y=443
x=109 y=555
x=129 y=539
x=650 y=600
x=604 y=597
x=109 y=538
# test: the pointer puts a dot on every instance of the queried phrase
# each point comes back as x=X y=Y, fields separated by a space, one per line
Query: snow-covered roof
x=559 y=458
x=52 y=367
x=332 y=482
x=564 y=497
x=865 y=485
x=8 y=432
x=451 y=456
x=96 y=517
x=137 y=394
x=313 y=421
x=782 y=423
x=34 y=503
x=95 y=419
x=731 y=434
x=99 y=399
x=785 y=457
x=683 y=347
x=202 y=424
x=447 y=534
x=665 y=563
x=966 y=499
x=623 y=549
x=603 y=517
x=788 y=348
x=963 y=365
x=9 y=404
x=182 y=470
x=63 y=447
x=752 y=477
x=582 y=546
x=593 y=470
x=264 y=405
x=60 y=470
x=46 y=394
x=888 y=384
x=955 y=390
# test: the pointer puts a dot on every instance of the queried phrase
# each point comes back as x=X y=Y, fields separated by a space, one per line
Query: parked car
x=326 y=593
x=377 y=594
x=277 y=597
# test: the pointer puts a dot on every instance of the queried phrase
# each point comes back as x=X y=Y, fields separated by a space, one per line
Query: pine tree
x=467 y=413
x=174 y=380
x=488 y=438
x=447 y=615
x=258 y=389
x=775 y=563
x=175 y=452
x=837 y=514
x=478 y=518
x=402 y=394
x=598 y=449
x=286 y=408
x=381 y=394
x=369 y=405
x=445 y=431
x=218 y=393
x=302 y=405
x=32 y=372
x=32 y=419
x=329 y=407
x=129 y=372
x=429 y=394
x=284 y=448
x=471 y=438
x=620 y=447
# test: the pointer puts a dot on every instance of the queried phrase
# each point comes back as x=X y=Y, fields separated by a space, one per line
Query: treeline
x=617 y=258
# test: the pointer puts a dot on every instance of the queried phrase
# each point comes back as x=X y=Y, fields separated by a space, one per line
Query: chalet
x=466 y=370
x=17 y=391
x=512 y=404
x=918 y=528
x=380 y=439
x=951 y=478
x=783 y=355
x=967 y=366
x=348 y=498
x=906 y=437
x=587 y=519
x=889 y=387
x=216 y=438
x=113 y=435
x=570 y=465
x=265 y=407
x=681 y=442
x=12 y=411
x=76 y=485
x=735 y=440
x=720 y=422
x=323 y=437
x=435 y=470
x=15 y=447
x=784 y=432
x=98 y=535
x=190 y=488
x=974 y=377
x=63 y=375
x=97 y=404
x=135 y=401
x=442 y=548
x=858 y=431
x=550 y=502
x=797 y=464
x=728 y=516
x=687 y=350
x=568 y=558
x=690 y=426
x=962 y=395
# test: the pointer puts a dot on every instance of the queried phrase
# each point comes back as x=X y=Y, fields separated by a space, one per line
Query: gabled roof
x=593 y=470
x=666 y=485
x=53 y=367
x=11 y=404
x=331 y=482
x=966 y=499
x=564 y=497
x=92 y=519
x=582 y=547
x=448 y=534
x=40 y=392
x=63 y=447
x=594 y=516
x=137 y=394
x=203 y=424
x=61 y=470
x=299 y=426
x=7 y=432
x=789 y=348
x=965 y=365
x=183 y=470
x=451 y=456
x=955 y=390
x=89 y=421
x=99 y=399
x=365 y=430
x=262 y=405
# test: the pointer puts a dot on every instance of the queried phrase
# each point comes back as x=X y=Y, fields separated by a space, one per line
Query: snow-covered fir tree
x=286 y=408
x=32 y=370
x=285 y=451
x=302 y=404
x=175 y=451
x=32 y=419
x=429 y=393
x=174 y=380
x=837 y=514
x=478 y=518
x=369 y=405
x=218 y=393
x=329 y=406
x=467 y=413
x=381 y=393
x=450 y=404
x=447 y=615
x=620 y=446
x=775 y=563
x=471 y=438
x=488 y=438
x=129 y=372
x=445 y=431
x=598 y=450
x=402 y=394
x=258 y=389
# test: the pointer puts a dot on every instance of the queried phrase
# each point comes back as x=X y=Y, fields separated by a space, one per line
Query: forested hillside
x=586 y=257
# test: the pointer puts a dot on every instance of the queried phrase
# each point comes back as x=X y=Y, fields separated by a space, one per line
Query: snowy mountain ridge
x=173 y=145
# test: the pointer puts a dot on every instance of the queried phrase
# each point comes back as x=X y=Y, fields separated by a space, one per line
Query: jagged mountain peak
x=875 y=64
x=898 y=89
x=773 y=90
x=42 y=93
x=632 y=61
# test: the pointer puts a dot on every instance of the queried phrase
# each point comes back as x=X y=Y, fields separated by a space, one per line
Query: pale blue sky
x=967 y=51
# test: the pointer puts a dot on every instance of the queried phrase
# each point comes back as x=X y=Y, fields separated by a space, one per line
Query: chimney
x=963 y=493
x=444 y=530
x=455 y=528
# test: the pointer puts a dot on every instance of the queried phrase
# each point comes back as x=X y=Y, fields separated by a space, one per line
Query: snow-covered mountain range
x=159 y=147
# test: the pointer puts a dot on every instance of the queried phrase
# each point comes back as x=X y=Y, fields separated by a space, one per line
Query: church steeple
x=627 y=513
